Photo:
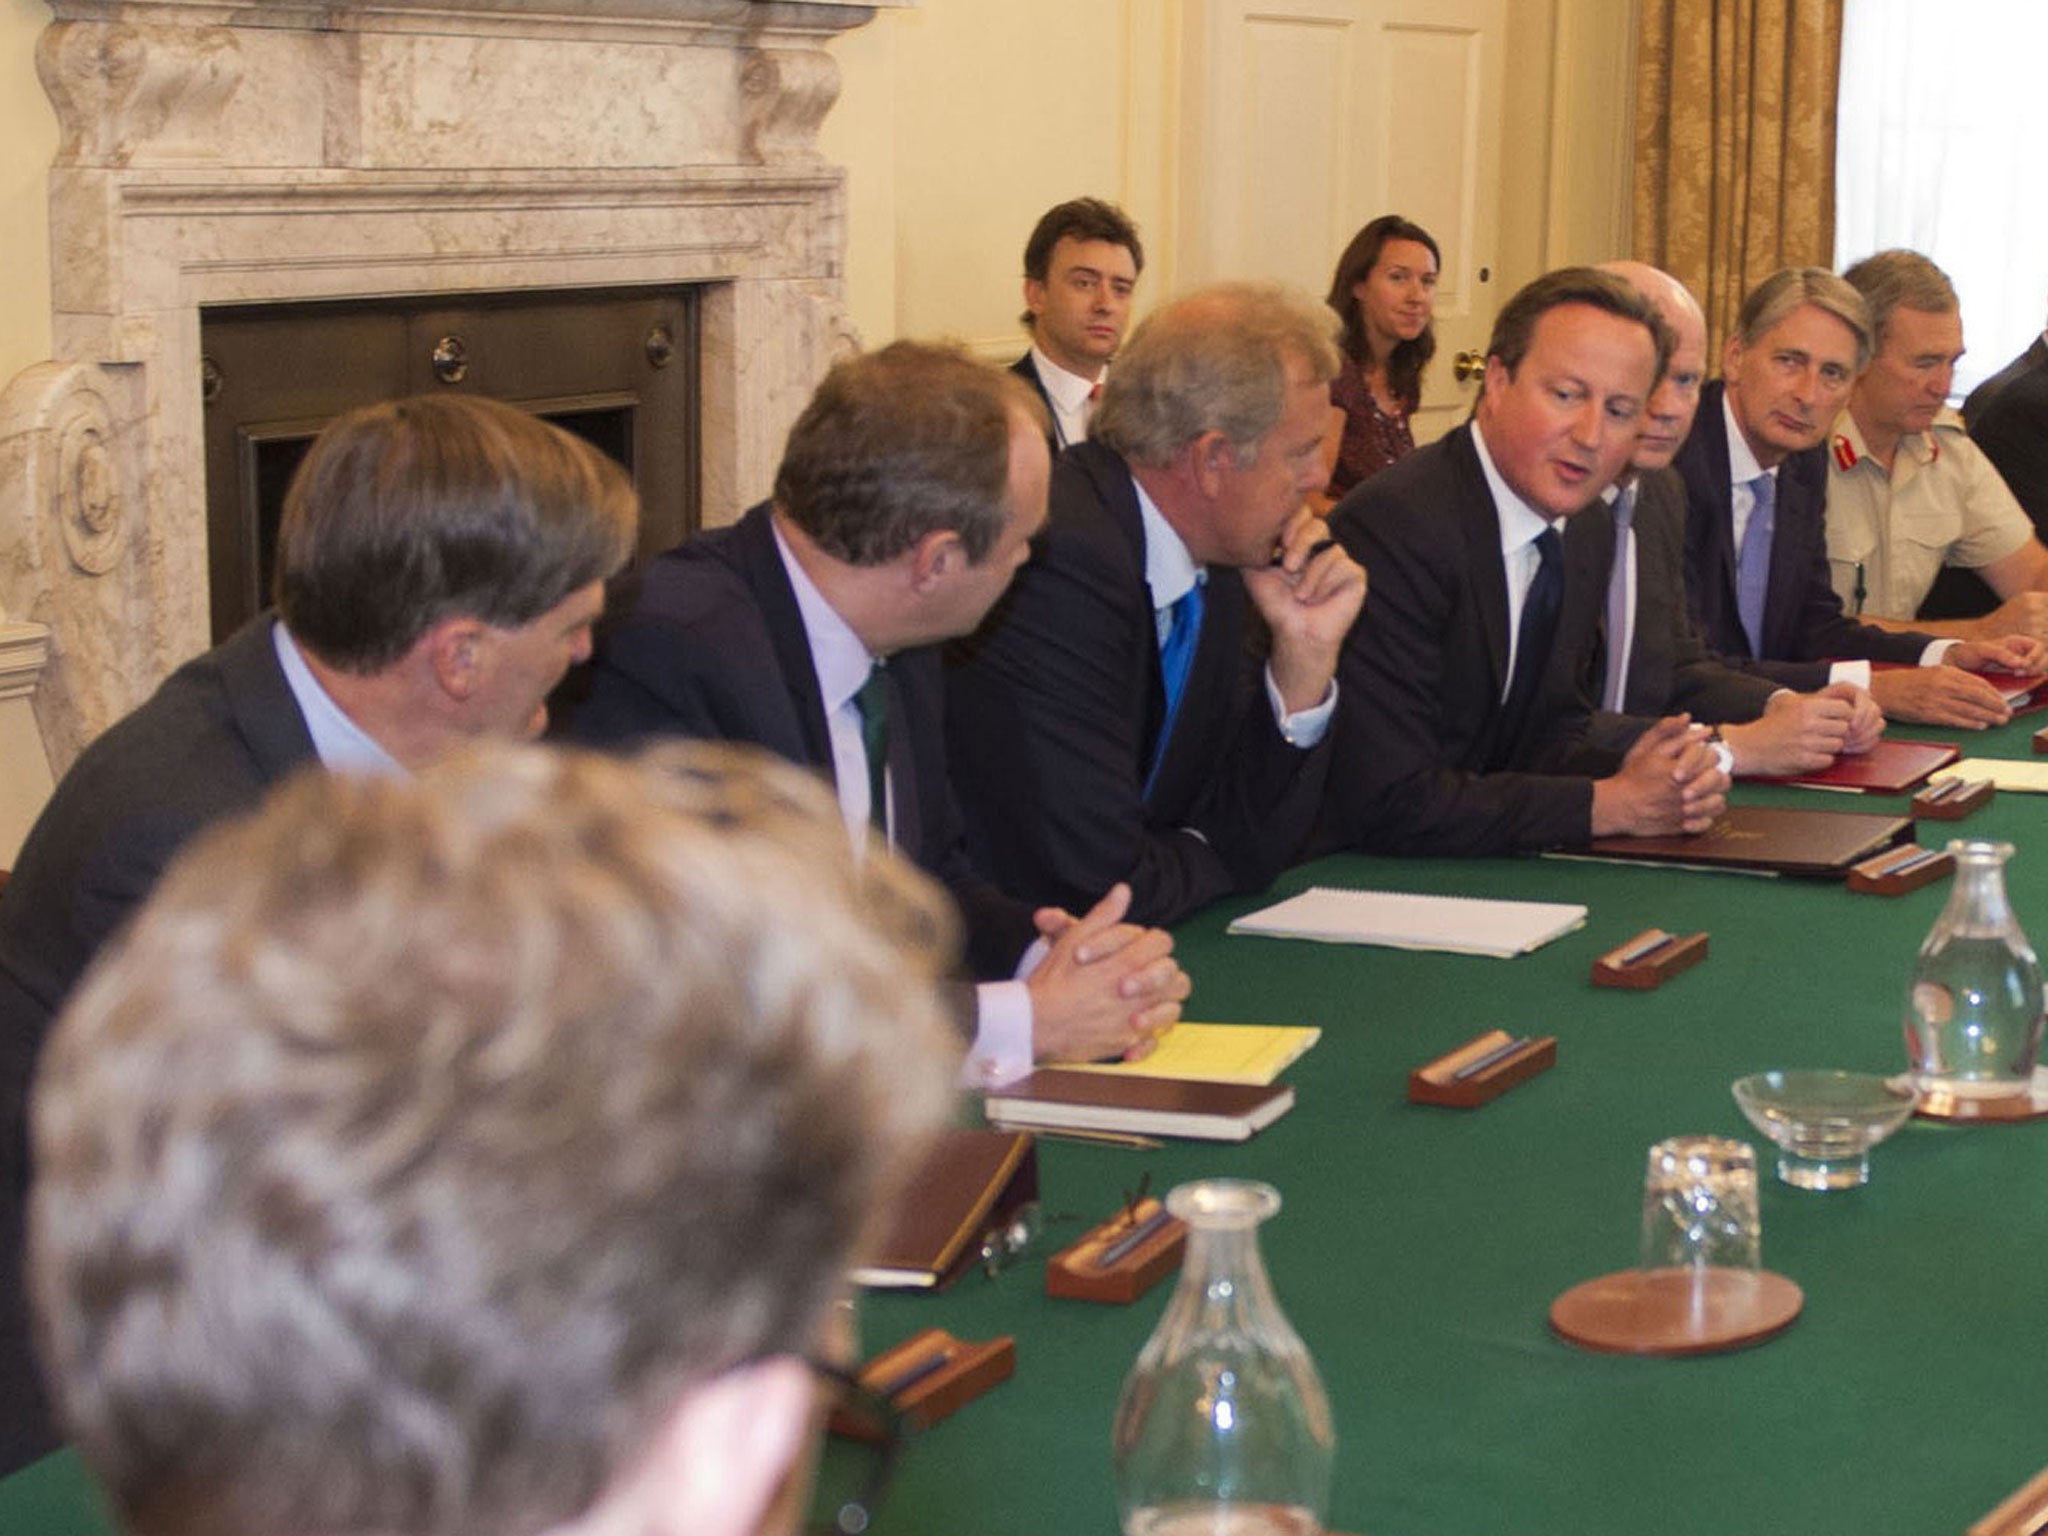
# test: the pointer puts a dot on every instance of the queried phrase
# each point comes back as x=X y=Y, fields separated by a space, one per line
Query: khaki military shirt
x=1890 y=535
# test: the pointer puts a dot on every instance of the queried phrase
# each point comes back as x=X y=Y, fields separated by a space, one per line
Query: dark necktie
x=1620 y=611
x=1539 y=628
x=1176 y=661
x=1753 y=565
x=873 y=702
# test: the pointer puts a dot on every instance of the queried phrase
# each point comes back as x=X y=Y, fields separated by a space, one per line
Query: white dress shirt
x=1002 y=1039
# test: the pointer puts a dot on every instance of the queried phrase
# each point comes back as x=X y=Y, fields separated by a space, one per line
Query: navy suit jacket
x=1027 y=370
x=2008 y=419
x=220 y=731
x=1426 y=763
x=1055 y=705
x=1804 y=625
x=708 y=642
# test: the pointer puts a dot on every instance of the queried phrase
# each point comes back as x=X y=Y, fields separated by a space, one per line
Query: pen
x=1492 y=1058
x=1862 y=591
x=1132 y=1240
x=1912 y=861
x=1129 y=1139
x=1315 y=549
x=1943 y=790
x=904 y=1380
x=1642 y=949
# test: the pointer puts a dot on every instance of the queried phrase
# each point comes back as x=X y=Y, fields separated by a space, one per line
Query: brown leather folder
x=1889 y=768
x=971 y=1183
x=1768 y=841
x=1052 y=1100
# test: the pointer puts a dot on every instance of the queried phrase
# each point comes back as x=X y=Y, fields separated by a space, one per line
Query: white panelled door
x=1305 y=118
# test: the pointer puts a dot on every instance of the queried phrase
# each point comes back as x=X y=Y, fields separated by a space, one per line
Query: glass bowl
x=1824 y=1123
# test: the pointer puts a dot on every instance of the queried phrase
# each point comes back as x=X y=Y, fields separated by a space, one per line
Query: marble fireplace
x=234 y=154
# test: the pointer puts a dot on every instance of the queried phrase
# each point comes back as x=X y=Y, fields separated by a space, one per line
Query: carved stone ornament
x=784 y=96
x=87 y=483
x=129 y=95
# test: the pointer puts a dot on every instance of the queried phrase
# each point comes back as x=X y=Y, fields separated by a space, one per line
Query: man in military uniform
x=1908 y=492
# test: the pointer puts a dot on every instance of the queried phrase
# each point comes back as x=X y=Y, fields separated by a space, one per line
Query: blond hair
x=424 y=1141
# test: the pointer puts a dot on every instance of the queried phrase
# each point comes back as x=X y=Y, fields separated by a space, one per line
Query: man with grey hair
x=483 y=1152
x=1756 y=562
x=907 y=496
x=1104 y=723
x=1909 y=494
x=440 y=562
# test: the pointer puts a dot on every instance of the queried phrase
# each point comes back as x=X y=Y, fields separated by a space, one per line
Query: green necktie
x=873 y=700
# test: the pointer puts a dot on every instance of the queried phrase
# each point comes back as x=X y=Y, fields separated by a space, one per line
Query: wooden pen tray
x=1438 y=1082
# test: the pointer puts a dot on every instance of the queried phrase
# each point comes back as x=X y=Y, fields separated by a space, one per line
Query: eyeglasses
x=859 y=1457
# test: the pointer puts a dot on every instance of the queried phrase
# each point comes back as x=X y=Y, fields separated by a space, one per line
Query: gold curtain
x=1735 y=143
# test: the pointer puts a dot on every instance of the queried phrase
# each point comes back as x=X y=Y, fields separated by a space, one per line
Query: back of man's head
x=414 y=511
x=1898 y=279
x=428 y=1142
x=901 y=443
x=1213 y=360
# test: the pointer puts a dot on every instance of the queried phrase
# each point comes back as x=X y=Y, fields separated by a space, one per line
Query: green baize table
x=1419 y=1249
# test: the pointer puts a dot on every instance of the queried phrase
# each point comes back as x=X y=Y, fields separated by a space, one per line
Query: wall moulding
x=236 y=154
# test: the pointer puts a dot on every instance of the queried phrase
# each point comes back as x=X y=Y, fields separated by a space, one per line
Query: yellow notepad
x=1220 y=1053
x=2023 y=777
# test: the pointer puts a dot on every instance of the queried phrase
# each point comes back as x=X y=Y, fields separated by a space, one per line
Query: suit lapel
x=1480 y=520
x=761 y=567
x=266 y=713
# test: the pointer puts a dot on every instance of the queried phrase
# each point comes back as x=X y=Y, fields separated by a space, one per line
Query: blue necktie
x=1753 y=565
x=1176 y=661
x=1539 y=627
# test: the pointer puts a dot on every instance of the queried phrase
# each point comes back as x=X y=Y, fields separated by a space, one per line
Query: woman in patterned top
x=1385 y=293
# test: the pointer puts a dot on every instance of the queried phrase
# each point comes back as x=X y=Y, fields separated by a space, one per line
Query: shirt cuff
x=1937 y=652
x=1304 y=728
x=1857 y=672
x=1002 y=1031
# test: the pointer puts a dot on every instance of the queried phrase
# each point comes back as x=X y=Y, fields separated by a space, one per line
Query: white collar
x=838 y=656
x=1742 y=464
x=1520 y=523
x=341 y=745
x=1069 y=390
x=1170 y=571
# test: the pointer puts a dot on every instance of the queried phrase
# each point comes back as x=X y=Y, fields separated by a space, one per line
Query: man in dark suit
x=1081 y=268
x=1654 y=660
x=1108 y=722
x=906 y=499
x=439 y=565
x=1755 y=474
x=1466 y=682
x=2008 y=419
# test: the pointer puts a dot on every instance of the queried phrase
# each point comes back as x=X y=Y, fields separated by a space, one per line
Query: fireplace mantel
x=217 y=154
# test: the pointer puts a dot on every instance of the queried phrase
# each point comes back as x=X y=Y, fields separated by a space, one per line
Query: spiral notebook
x=1462 y=925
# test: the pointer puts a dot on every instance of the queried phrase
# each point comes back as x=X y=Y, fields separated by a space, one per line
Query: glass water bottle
x=1974 y=1010
x=1223 y=1428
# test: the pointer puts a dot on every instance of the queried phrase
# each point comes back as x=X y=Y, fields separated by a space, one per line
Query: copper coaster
x=1994 y=1106
x=1676 y=1311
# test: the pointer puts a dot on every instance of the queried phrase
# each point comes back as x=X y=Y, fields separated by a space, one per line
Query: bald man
x=1656 y=661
